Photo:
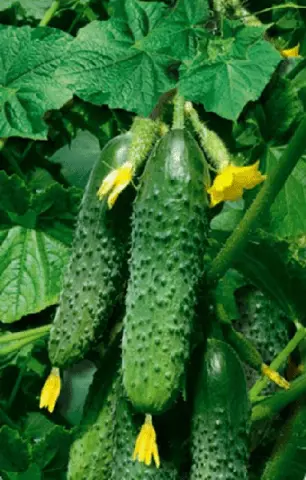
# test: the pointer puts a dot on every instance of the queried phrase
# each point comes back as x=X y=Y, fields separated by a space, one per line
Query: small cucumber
x=168 y=241
x=264 y=324
x=219 y=437
x=93 y=278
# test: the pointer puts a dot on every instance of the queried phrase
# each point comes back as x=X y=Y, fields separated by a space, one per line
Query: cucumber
x=91 y=455
x=123 y=466
x=219 y=432
x=264 y=324
x=93 y=278
x=104 y=450
x=168 y=240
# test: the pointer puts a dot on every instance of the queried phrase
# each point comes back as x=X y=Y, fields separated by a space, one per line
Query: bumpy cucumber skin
x=94 y=274
x=168 y=240
x=126 y=430
x=219 y=440
x=265 y=325
x=91 y=455
x=104 y=450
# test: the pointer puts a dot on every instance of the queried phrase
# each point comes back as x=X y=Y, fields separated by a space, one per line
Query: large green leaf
x=14 y=452
x=77 y=159
x=31 y=264
x=105 y=66
x=28 y=86
x=231 y=72
x=288 y=212
x=178 y=33
x=32 y=473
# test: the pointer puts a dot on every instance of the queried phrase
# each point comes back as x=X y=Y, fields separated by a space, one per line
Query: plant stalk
x=49 y=13
x=263 y=201
x=277 y=363
x=274 y=404
x=178 y=114
x=33 y=332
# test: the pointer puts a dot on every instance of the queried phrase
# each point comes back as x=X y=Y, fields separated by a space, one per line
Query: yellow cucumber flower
x=51 y=390
x=115 y=182
x=146 y=446
x=291 y=52
x=274 y=376
x=232 y=180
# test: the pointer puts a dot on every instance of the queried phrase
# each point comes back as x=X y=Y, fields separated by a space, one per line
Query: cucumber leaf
x=31 y=264
x=231 y=72
x=14 y=453
x=288 y=212
x=35 y=237
x=104 y=65
x=179 y=32
x=28 y=87
x=77 y=159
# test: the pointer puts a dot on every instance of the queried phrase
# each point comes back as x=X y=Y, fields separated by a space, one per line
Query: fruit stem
x=277 y=363
x=178 y=113
x=263 y=201
x=49 y=13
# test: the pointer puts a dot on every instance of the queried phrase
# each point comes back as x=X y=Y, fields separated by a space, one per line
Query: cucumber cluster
x=148 y=248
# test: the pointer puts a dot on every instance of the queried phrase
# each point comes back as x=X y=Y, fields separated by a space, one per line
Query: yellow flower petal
x=232 y=180
x=146 y=446
x=248 y=177
x=115 y=182
x=51 y=390
x=275 y=377
x=108 y=183
x=291 y=52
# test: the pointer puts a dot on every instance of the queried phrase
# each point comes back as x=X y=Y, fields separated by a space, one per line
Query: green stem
x=49 y=13
x=277 y=363
x=178 y=114
x=33 y=332
x=263 y=201
x=274 y=404
x=8 y=349
x=16 y=387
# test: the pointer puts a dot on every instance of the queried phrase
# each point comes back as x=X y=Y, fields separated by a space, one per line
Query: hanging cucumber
x=124 y=466
x=168 y=238
x=264 y=324
x=90 y=455
x=219 y=439
x=104 y=450
x=94 y=275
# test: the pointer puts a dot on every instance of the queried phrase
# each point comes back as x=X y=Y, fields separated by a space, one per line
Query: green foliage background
x=65 y=90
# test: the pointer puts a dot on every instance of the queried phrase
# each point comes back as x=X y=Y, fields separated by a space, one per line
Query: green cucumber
x=123 y=466
x=264 y=324
x=93 y=278
x=168 y=241
x=104 y=449
x=220 y=422
x=91 y=454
